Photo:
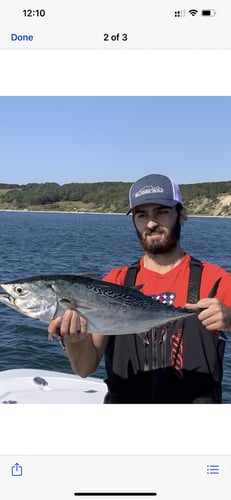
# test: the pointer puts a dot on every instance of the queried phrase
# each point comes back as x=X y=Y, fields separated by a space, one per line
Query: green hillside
x=209 y=198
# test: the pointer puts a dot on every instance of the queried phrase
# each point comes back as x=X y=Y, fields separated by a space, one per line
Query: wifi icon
x=193 y=12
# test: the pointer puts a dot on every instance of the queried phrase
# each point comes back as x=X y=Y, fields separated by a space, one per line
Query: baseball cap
x=154 y=188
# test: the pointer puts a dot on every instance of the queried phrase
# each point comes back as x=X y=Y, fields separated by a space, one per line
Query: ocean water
x=39 y=243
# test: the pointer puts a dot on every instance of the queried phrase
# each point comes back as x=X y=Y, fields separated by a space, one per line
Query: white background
x=128 y=72
x=73 y=429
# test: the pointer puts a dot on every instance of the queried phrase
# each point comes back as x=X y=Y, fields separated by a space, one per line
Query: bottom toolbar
x=67 y=477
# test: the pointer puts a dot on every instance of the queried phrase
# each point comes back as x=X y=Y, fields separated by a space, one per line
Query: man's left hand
x=214 y=315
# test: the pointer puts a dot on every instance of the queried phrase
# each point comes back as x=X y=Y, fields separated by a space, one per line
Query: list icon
x=213 y=469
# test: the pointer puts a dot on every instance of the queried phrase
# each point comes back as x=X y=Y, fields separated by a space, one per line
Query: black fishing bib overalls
x=178 y=363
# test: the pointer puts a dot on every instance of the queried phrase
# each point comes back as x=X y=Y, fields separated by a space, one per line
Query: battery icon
x=208 y=13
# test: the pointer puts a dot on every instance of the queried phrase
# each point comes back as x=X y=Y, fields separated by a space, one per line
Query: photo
x=115 y=216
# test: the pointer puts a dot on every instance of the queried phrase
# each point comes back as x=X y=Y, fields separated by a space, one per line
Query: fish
x=110 y=309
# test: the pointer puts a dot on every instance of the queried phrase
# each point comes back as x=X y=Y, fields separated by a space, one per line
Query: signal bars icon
x=180 y=13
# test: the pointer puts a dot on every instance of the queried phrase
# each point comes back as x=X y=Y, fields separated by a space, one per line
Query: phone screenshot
x=115 y=210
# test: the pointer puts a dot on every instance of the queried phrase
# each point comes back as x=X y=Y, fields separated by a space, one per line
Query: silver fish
x=109 y=309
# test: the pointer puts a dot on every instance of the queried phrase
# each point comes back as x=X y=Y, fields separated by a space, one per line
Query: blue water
x=34 y=243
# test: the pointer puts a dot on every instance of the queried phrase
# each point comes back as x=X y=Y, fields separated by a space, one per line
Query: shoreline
x=98 y=213
x=60 y=212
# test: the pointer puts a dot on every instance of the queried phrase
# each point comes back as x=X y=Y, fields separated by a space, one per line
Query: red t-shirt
x=172 y=287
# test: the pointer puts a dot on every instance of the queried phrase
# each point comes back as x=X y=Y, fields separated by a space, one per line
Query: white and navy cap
x=154 y=188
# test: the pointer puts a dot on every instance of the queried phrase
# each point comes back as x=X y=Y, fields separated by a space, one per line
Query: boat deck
x=44 y=386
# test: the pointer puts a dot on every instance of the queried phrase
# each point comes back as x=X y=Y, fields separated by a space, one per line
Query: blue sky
x=91 y=139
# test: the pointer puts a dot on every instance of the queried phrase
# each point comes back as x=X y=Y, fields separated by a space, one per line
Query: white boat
x=44 y=386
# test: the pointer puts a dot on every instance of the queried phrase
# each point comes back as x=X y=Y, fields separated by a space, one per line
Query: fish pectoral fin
x=69 y=304
x=74 y=305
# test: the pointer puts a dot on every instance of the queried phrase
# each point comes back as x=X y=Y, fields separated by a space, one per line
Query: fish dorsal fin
x=137 y=287
x=87 y=275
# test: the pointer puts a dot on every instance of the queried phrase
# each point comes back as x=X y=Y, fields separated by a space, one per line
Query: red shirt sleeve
x=116 y=275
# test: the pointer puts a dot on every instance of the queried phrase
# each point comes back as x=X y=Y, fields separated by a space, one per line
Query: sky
x=93 y=139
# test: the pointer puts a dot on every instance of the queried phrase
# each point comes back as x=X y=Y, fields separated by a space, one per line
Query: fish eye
x=18 y=289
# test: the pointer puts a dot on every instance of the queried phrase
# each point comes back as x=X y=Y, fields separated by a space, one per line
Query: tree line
x=107 y=196
x=99 y=196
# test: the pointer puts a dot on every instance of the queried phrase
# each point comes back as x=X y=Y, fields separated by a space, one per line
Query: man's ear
x=183 y=215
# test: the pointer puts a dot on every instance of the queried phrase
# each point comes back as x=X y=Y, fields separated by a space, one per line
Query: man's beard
x=154 y=247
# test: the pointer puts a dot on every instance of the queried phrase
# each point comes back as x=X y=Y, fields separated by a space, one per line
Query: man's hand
x=71 y=327
x=214 y=315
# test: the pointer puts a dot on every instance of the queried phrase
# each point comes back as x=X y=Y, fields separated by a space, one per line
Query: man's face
x=158 y=227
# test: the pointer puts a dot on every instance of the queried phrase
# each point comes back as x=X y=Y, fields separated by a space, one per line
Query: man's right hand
x=71 y=327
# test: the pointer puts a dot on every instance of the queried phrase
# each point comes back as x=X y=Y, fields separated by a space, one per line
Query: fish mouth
x=6 y=297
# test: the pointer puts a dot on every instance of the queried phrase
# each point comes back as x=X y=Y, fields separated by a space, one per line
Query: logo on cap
x=149 y=190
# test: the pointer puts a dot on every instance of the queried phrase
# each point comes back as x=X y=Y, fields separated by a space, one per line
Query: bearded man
x=182 y=361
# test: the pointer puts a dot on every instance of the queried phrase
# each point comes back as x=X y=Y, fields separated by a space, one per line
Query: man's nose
x=152 y=223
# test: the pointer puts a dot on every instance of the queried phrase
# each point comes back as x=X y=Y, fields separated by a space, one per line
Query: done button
x=21 y=38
